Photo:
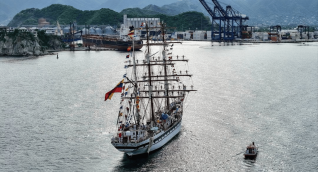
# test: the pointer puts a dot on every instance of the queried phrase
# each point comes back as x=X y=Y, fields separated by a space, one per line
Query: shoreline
x=49 y=52
x=241 y=42
x=251 y=41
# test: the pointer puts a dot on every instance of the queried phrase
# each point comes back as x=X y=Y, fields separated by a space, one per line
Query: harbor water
x=53 y=116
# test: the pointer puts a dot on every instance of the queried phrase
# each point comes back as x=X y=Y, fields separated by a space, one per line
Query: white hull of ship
x=160 y=140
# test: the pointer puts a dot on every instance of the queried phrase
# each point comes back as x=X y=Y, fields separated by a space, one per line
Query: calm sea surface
x=53 y=117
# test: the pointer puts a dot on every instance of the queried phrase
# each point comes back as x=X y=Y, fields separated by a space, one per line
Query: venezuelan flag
x=117 y=89
x=131 y=33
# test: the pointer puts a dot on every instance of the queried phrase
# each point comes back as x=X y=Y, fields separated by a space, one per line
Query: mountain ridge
x=64 y=14
x=261 y=12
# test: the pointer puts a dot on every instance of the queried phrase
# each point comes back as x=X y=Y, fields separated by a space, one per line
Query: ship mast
x=165 y=66
x=149 y=76
x=135 y=81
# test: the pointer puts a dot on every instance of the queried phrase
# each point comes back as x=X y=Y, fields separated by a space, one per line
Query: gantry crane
x=226 y=24
x=303 y=29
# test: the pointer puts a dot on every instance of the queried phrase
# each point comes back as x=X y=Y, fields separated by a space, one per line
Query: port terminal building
x=139 y=25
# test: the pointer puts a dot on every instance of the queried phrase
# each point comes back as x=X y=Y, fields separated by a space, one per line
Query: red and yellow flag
x=117 y=89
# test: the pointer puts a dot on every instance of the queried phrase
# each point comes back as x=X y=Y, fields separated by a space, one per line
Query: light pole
x=201 y=22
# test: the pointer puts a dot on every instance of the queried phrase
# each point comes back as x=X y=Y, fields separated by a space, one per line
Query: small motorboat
x=251 y=151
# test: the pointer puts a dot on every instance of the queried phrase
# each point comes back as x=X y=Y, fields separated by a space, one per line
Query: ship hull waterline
x=160 y=140
x=250 y=156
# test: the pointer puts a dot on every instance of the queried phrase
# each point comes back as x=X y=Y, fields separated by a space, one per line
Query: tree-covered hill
x=260 y=12
x=65 y=14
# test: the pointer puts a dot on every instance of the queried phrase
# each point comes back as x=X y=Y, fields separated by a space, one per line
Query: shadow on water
x=142 y=162
x=250 y=163
x=306 y=44
x=136 y=162
x=11 y=59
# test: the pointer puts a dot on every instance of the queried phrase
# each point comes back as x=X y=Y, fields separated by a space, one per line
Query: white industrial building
x=137 y=22
x=199 y=35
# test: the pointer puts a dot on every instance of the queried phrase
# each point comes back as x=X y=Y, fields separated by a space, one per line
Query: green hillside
x=65 y=14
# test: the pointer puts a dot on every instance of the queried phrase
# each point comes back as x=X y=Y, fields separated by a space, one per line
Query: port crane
x=70 y=37
x=227 y=24
x=303 y=29
x=274 y=31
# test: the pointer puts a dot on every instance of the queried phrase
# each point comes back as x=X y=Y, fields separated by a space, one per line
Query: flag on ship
x=117 y=89
x=131 y=33
x=142 y=26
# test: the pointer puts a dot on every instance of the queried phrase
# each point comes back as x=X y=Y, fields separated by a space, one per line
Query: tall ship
x=152 y=99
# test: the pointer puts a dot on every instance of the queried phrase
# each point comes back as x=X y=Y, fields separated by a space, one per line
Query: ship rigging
x=151 y=106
